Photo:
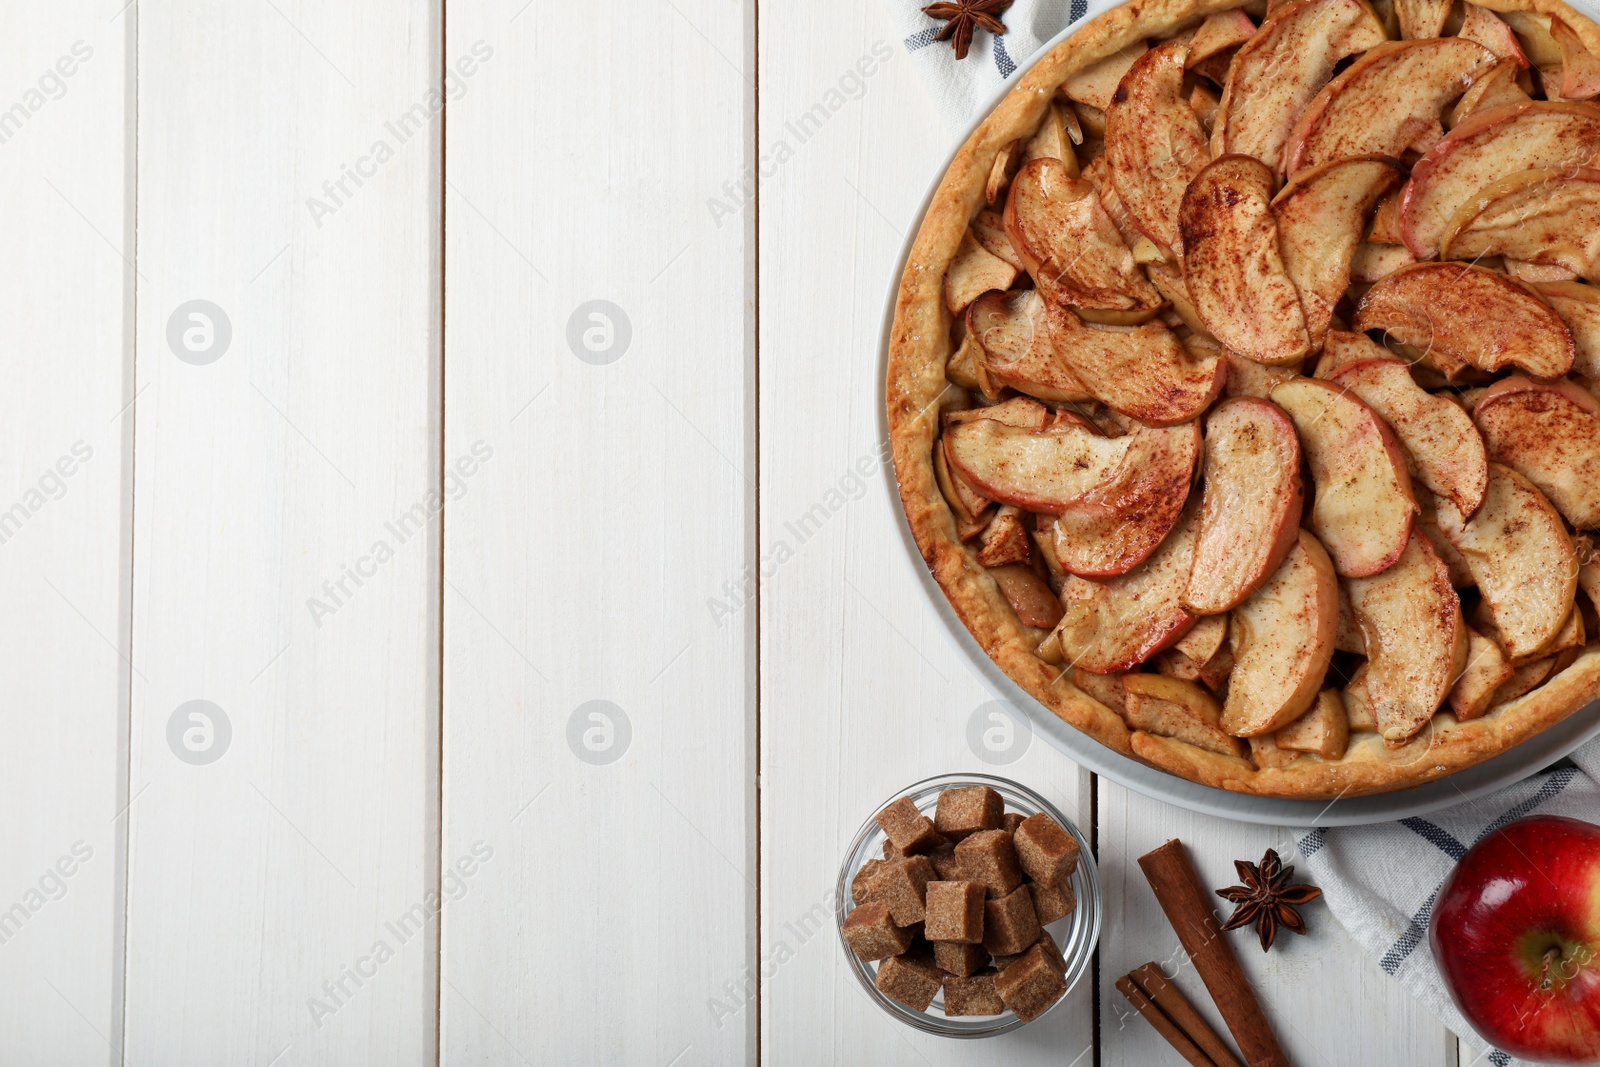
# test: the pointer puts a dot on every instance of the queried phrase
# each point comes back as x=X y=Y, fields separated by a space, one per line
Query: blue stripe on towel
x=1551 y=789
x=921 y=39
x=1416 y=931
x=1429 y=832
x=1002 y=59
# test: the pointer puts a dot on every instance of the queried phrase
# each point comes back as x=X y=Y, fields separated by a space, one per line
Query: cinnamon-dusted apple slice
x=1487 y=669
x=1051 y=140
x=1141 y=371
x=1323 y=731
x=1250 y=510
x=1386 y=103
x=1421 y=19
x=1219 y=32
x=1030 y=597
x=1453 y=316
x=1016 y=348
x=1579 y=306
x=1549 y=432
x=1372 y=263
x=1006 y=162
x=1543 y=216
x=1570 y=636
x=1385 y=221
x=1343 y=348
x=1115 y=625
x=1037 y=470
x=1095 y=84
x=1445 y=452
x=1488 y=146
x=1490 y=30
x=1020 y=411
x=1276 y=73
x=1072 y=248
x=1154 y=143
x=1171 y=707
x=1246 y=377
x=1536 y=273
x=1282 y=640
x=1492 y=86
x=967 y=504
x=1232 y=266
x=1322 y=213
x=1362 y=508
x=1580 y=69
x=1533 y=34
x=1415 y=636
x=974 y=271
x=989 y=227
x=1005 y=540
x=1521 y=559
x=1120 y=522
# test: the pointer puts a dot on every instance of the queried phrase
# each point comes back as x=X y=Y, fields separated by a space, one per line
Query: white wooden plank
x=863 y=692
x=270 y=890
x=1329 y=1004
x=65 y=161
x=580 y=559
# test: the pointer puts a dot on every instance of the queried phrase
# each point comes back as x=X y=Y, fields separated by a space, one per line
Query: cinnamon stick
x=1170 y=999
x=1163 y=1025
x=1177 y=887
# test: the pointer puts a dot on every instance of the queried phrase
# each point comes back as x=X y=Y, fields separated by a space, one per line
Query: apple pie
x=1243 y=384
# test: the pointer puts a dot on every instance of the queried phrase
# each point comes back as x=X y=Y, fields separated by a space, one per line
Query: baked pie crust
x=920 y=396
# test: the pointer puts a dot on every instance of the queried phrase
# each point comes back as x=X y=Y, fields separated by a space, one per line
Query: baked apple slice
x=1543 y=216
x=1095 y=84
x=1232 y=266
x=1415 y=636
x=1362 y=509
x=1219 y=32
x=1490 y=30
x=1342 y=348
x=989 y=227
x=1141 y=371
x=1115 y=625
x=974 y=271
x=1445 y=452
x=1580 y=70
x=1453 y=316
x=1386 y=103
x=1250 y=510
x=1322 y=213
x=1282 y=641
x=1020 y=411
x=1552 y=134
x=1070 y=245
x=1521 y=559
x=1549 y=432
x=1181 y=710
x=1493 y=86
x=1372 y=263
x=1034 y=469
x=1487 y=669
x=1421 y=19
x=1154 y=143
x=1579 y=306
x=1276 y=73
x=1015 y=347
x=1118 y=524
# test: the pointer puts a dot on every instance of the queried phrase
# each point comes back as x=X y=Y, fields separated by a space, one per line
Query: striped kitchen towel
x=1380 y=881
x=964 y=89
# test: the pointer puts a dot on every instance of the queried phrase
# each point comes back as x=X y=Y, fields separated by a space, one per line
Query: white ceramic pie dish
x=1532 y=755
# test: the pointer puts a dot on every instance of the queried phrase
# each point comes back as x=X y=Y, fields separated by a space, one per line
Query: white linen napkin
x=1380 y=881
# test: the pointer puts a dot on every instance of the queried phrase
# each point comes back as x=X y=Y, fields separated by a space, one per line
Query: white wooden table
x=490 y=410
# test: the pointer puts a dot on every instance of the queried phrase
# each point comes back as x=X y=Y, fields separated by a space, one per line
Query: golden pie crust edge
x=919 y=345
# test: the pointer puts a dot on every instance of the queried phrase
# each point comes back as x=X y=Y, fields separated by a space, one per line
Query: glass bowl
x=1077 y=934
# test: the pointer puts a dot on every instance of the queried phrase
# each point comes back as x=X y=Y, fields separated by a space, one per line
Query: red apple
x=1516 y=934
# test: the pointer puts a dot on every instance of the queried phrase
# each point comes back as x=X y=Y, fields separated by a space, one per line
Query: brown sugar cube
x=972 y=996
x=1010 y=924
x=1010 y=821
x=1052 y=902
x=966 y=811
x=1052 y=952
x=945 y=863
x=870 y=932
x=891 y=853
x=903 y=885
x=955 y=911
x=1047 y=853
x=861 y=884
x=909 y=830
x=988 y=857
x=1002 y=962
x=960 y=958
x=1030 y=985
x=911 y=979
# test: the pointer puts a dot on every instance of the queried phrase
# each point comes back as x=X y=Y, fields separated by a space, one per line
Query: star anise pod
x=962 y=16
x=1267 y=898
